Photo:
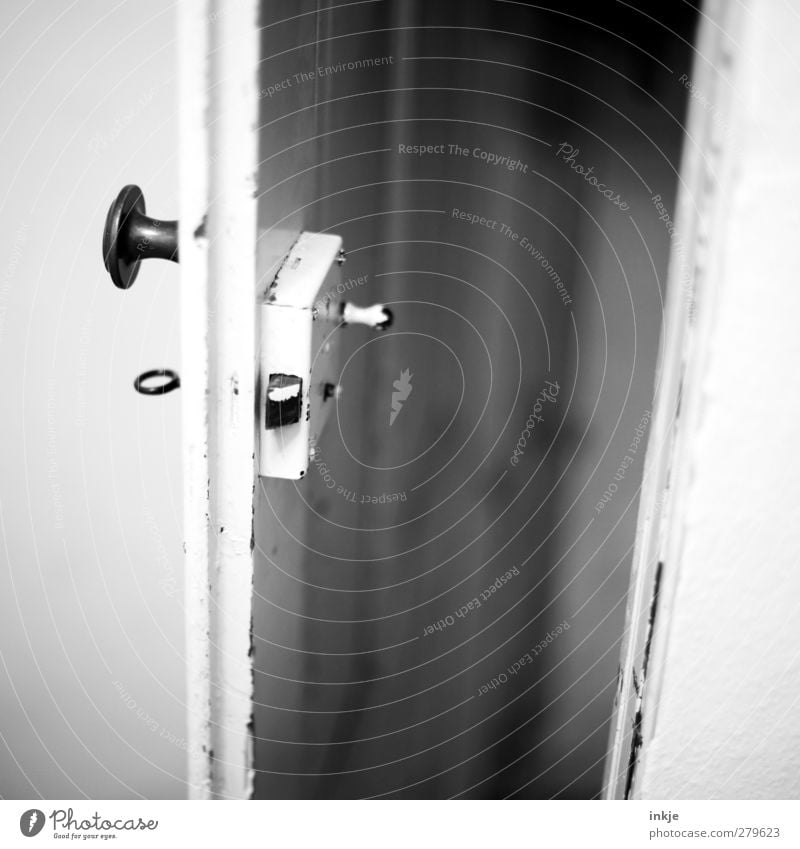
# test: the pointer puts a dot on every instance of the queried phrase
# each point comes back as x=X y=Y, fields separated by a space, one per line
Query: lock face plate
x=299 y=365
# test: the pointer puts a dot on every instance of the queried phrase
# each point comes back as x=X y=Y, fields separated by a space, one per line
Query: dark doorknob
x=131 y=236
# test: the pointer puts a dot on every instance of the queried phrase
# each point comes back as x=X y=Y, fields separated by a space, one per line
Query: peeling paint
x=639 y=687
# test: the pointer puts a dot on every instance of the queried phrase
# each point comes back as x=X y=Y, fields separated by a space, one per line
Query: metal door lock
x=301 y=320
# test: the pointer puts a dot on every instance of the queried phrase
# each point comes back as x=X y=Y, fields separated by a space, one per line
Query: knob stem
x=150 y=238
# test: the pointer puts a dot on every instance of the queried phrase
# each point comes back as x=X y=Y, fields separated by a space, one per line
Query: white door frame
x=218 y=107
x=693 y=284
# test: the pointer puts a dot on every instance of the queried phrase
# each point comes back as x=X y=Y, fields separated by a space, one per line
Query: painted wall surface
x=722 y=721
x=91 y=618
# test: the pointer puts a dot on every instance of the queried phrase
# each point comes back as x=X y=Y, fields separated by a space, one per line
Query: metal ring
x=160 y=388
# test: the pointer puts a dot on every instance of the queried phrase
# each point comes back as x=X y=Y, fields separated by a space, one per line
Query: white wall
x=91 y=623
x=723 y=693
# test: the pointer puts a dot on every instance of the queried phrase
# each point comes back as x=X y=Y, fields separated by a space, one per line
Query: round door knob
x=131 y=236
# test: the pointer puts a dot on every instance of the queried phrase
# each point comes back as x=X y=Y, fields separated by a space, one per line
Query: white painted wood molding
x=654 y=568
x=709 y=672
x=219 y=54
x=193 y=181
